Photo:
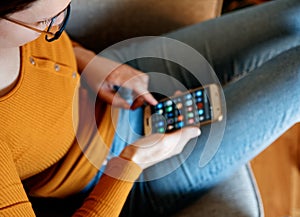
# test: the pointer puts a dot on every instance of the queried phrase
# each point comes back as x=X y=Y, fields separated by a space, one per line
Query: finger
x=139 y=84
x=118 y=101
x=136 y=81
x=185 y=134
x=145 y=94
x=148 y=97
x=178 y=93
x=114 y=99
x=127 y=77
x=149 y=141
x=191 y=132
x=139 y=101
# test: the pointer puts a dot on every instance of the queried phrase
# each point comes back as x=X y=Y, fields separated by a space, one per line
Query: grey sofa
x=99 y=23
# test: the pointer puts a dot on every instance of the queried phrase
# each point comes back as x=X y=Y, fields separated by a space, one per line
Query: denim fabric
x=255 y=55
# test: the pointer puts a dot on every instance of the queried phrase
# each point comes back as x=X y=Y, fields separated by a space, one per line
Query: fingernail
x=197 y=131
x=154 y=102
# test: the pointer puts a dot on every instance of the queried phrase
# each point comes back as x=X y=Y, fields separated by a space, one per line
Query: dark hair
x=11 y=6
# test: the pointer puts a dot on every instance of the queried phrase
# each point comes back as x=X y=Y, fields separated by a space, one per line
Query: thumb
x=183 y=135
x=190 y=132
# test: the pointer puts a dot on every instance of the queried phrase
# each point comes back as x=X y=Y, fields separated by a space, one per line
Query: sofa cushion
x=238 y=196
x=100 y=23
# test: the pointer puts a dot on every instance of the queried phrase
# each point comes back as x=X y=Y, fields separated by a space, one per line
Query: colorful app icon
x=160 y=111
x=170 y=115
x=170 y=121
x=179 y=105
x=159 y=106
x=160 y=124
x=199 y=99
x=189 y=109
x=180 y=118
x=201 y=112
x=170 y=127
x=169 y=103
x=191 y=121
x=190 y=115
x=169 y=109
x=179 y=125
x=161 y=130
x=200 y=105
x=189 y=96
x=199 y=93
x=189 y=103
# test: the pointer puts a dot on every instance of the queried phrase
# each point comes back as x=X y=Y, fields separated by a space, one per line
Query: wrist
x=122 y=169
x=128 y=153
x=83 y=57
x=131 y=153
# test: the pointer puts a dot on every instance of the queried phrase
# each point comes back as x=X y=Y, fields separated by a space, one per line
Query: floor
x=277 y=171
x=231 y=5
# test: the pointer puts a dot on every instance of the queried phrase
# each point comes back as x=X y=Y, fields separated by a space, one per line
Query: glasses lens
x=58 y=23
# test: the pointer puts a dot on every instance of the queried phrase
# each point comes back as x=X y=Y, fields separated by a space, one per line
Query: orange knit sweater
x=39 y=153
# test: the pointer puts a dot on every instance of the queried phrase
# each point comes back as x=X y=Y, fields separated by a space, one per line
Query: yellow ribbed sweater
x=39 y=152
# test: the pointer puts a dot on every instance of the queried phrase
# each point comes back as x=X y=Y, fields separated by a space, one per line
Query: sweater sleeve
x=13 y=199
x=110 y=194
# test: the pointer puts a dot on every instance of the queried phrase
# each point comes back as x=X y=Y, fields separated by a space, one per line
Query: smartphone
x=193 y=108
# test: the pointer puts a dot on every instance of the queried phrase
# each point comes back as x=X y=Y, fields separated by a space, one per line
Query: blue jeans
x=255 y=55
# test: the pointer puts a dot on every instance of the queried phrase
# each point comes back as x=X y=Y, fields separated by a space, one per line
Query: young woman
x=42 y=156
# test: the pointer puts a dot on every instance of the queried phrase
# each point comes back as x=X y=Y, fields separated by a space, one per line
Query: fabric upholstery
x=100 y=23
x=238 y=196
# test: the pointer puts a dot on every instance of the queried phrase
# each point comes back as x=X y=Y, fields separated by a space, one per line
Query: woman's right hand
x=102 y=75
x=158 y=147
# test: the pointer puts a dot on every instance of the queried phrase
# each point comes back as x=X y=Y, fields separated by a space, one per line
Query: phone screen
x=185 y=110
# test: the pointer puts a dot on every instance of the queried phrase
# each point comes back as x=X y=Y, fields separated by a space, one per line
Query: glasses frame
x=54 y=36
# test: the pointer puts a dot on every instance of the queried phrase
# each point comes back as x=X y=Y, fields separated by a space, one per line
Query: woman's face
x=14 y=35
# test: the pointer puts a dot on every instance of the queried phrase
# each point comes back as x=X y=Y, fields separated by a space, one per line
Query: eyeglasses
x=53 y=27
